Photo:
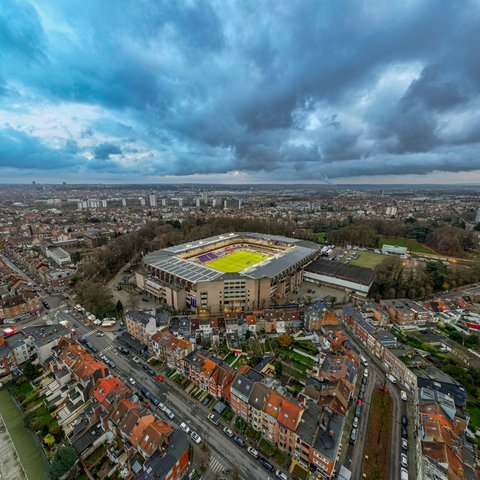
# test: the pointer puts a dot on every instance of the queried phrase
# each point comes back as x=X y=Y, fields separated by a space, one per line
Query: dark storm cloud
x=18 y=148
x=294 y=90
x=103 y=151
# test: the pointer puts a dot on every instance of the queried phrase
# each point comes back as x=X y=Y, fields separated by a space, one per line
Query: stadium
x=230 y=272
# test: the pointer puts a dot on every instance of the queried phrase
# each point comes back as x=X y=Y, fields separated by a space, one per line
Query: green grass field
x=410 y=243
x=237 y=261
x=368 y=260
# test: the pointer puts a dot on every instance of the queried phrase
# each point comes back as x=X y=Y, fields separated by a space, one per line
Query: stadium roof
x=351 y=273
x=169 y=259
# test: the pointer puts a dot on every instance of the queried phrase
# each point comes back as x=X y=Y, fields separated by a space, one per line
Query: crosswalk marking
x=215 y=466
x=106 y=349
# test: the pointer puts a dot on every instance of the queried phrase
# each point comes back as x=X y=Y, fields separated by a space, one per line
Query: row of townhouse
x=146 y=325
x=441 y=406
x=379 y=342
x=442 y=426
x=310 y=434
x=95 y=407
x=34 y=342
x=406 y=313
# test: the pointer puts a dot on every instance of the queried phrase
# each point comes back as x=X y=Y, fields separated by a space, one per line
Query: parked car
x=239 y=440
x=145 y=392
x=150 y=371
x=185 y=427
x=404 y=420
x=213 y=418
x=404 y=432
x=145 y=367
x=252 y=452
x=403 y=395
x=124 y=351
x=169 y=413
x=266 y=464
x=404 y=444
x=136 y=359
x=392 y=378
x=404 y=460
x=196 y=437
x=228 y=432
x=353 y=435
x=159 y=378
x=131 y=381
x=355 y=422
x=403 y=474
x=154 y=400
x=207 y=400
x=279 y=474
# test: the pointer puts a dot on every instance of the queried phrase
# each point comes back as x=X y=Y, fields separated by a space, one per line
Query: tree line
x=443 y=238
x=394 y=280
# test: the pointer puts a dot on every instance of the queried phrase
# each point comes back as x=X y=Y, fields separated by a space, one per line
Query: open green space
x=377 y=445
x=367 y=259
x=412 y=244
x=29 y=452
x=321 y=237
x=474 y=416
x=237 y=261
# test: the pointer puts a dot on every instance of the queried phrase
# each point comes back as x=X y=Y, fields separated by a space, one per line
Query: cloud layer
x=147 y=90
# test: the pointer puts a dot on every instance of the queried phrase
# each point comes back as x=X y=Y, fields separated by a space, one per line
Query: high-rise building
x=153 y=200
x=477 y=216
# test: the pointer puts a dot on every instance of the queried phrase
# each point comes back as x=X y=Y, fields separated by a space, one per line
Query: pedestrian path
x=215 y=466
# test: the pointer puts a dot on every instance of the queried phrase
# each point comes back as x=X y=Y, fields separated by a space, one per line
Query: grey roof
x=45 y=334
x=351 y=273
x=168 y=260
x=324 y=437
x=160 y=463
x=260 y=393
x=242 y=385
x=86 y=438
x=432 y=378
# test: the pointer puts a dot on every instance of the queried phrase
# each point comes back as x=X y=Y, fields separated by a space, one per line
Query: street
x=354 y=454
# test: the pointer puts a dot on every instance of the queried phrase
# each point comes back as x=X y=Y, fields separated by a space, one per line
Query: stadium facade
x=229 y=272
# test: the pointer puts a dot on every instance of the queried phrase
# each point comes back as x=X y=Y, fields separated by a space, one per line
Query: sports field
x=237 y=261
x=368 y=260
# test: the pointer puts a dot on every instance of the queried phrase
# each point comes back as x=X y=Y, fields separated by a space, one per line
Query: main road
x=354 y=459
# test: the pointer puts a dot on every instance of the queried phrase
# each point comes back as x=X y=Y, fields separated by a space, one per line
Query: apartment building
x=170 y=349
x=143 y=325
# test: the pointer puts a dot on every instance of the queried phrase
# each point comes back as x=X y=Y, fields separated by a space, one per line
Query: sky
x=246 y=91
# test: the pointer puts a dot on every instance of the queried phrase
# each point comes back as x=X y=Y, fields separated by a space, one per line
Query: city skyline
x=239 y=93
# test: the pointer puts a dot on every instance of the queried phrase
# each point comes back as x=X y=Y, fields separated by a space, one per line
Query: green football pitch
x=237 y=261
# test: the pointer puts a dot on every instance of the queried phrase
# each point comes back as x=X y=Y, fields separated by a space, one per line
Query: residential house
x=241 y=389
x=170 y=349
x=143 y=325
x=256 y=404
